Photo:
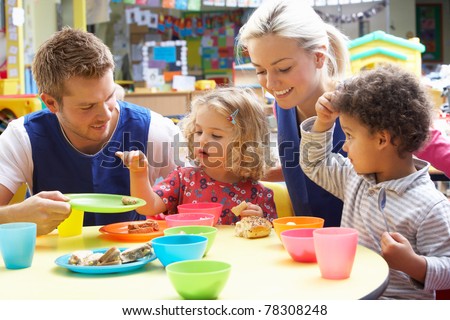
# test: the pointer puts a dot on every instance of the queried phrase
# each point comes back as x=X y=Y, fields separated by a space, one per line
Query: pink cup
x=335 y=251
x=202 y=207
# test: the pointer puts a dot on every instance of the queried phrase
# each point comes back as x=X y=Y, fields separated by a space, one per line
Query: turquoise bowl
x=179 y=247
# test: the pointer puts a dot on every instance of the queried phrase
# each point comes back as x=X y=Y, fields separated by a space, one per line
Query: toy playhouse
x=14 y=106
x=379 y=47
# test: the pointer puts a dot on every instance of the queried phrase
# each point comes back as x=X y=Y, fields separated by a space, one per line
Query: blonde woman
x=297 y=58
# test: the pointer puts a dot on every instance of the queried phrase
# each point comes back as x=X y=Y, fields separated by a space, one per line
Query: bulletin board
x=217 y=47
x=429 y=30
x=161 y=61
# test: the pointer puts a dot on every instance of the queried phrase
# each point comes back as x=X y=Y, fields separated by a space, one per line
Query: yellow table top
x=261 y=270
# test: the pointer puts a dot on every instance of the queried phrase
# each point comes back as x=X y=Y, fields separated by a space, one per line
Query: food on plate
x=129 y=201
x=92 y=260
x=239 y=208
x=78 y=257
x=146 y=226
x=137 y=252
x=110 y=257
x=253 y=227
x=85 y=258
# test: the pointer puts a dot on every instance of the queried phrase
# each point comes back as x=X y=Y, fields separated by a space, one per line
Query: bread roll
x=253 y=227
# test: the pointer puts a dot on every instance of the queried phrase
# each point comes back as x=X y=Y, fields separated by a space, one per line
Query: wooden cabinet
x=169 y=103
x=165 y=103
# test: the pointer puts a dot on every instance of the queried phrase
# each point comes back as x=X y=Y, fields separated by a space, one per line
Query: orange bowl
x=297 y=222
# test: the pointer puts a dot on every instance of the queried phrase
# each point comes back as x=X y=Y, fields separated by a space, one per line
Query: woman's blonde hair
x=296 y=19
x=249 y=156
x=69 y=53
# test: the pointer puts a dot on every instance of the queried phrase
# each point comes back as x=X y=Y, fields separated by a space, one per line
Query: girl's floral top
x=192 y=184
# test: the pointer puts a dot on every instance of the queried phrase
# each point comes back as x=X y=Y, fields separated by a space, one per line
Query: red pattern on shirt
x=191 y=185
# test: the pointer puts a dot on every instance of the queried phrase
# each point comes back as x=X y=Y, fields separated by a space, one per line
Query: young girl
x=228 y=139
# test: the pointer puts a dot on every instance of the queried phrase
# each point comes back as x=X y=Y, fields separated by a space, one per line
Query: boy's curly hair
x=251 y=138
x=388 y=98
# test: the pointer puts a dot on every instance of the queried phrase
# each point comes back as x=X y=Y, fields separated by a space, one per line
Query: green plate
x=102 y=203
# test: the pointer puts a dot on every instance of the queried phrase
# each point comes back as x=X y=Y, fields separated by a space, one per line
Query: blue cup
x=17 y=244
x=179 y=247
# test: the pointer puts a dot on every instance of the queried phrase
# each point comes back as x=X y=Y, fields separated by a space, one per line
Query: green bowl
x=199 y=279
x=206 y=231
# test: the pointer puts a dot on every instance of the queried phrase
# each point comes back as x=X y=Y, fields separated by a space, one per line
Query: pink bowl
x=202 y=207
x=190 y=219
x=299 y=243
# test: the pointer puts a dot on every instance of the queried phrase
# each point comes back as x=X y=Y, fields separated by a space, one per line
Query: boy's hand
x=252 y=210
x=326 y=113
x=135 y=160
x=399 y=255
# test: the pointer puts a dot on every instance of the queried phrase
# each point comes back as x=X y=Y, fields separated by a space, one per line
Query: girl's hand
x=135 y=160
x=252 y=210
x=399 y=255
x=326 y=113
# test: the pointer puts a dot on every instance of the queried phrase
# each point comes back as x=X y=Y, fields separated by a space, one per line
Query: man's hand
x=47 y=209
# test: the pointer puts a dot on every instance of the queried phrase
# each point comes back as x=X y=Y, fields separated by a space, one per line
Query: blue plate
x=130 y=266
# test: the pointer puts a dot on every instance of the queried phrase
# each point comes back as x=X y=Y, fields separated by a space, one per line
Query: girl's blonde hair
x=296 y=19
x=249 y=156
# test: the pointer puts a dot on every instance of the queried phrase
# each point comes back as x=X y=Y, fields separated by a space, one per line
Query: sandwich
x=110 y=257
x=147 y=226
x=137 y=252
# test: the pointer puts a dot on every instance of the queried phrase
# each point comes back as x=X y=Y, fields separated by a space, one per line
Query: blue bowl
x=179 y=247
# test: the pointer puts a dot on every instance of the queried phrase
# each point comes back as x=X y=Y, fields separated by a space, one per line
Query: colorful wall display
x=161 y=61
x=429 y=30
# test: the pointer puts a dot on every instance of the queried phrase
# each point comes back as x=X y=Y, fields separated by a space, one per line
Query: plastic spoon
x=382 y=204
